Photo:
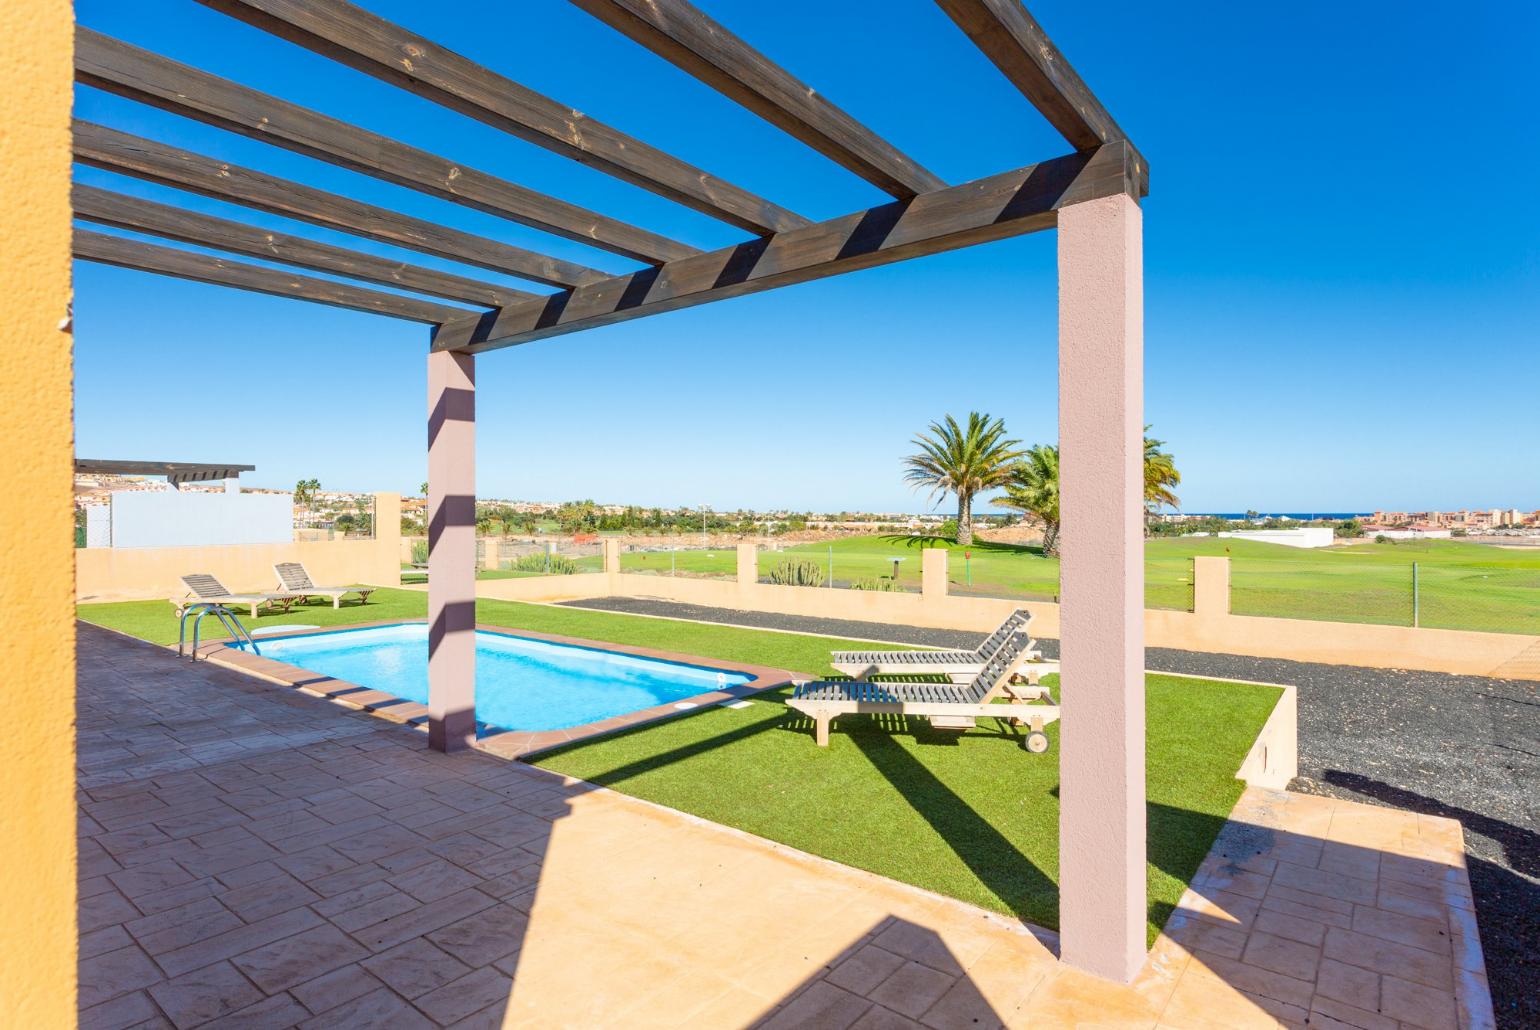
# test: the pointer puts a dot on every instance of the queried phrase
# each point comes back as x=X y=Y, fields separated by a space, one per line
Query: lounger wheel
x=1037 y=742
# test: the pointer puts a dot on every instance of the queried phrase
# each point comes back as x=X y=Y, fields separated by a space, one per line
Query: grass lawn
x=1462 y=585
x=974 y=817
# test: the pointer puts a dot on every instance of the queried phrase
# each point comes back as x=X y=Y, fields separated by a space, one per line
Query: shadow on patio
x=253 y=852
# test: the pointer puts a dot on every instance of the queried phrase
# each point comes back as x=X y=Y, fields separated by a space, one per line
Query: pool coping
x=508 y=744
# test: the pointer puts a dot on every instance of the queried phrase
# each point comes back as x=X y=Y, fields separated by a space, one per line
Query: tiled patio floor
x=253 y=856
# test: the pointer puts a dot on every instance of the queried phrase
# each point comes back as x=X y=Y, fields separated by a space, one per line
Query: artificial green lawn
x=972 y=816
x=1463 y=585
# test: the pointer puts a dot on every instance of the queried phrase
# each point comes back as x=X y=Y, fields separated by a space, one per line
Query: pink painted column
x=1101 y=486
x=451 y=550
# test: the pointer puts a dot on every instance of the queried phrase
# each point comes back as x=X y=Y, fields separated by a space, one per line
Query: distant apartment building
x=1477 y=519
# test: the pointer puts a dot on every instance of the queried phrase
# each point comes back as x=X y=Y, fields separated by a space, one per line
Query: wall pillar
x=1211 y=586
x=451 y=550
x=491 y=552
x=933 y=573
x=611 y=555
x=1101 y=429
x=387 y=539
x=748 y=564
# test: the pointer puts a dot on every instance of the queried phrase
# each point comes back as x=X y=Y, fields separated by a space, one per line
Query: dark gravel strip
x=1458 y=746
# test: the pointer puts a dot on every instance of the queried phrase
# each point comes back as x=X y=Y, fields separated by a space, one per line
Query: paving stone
x=415 y=967
x=484 y=937
x=1282 y=955
x=293 y=960
x=106 y=976
x=277 y=1012
x=912 y=989
x=119 y=1013
x=334 y=988
x=381 y=1008
x=864 y=970
x=822 y=1005
x=204 y=994
x=237 y=941
x=465 y=996
x=1353 y=985
x=268 y=898
x=106 y=909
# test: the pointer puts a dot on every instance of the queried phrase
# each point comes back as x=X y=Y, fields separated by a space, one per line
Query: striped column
x=451 y=550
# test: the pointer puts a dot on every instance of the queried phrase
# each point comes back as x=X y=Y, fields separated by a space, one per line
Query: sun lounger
x=204 y=588
x=293 y=578
x=962 y=666
x=946 y=705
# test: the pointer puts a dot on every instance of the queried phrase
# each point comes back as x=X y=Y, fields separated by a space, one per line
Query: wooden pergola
x=1090 y=194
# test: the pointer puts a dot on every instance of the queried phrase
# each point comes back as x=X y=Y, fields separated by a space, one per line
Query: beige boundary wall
x=141 y=573
x=1209 y=627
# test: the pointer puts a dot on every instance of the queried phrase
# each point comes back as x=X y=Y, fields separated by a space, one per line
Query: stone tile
x=415 y=967
x=879 y=1018
x=1430 y=935
x=822 y=1005
x=912 y=989
x=434 y=880
x=277 y=1012
x=381 y=1008
x=865 y=969
x=1295 y=928
x=268 y=898
x=1353 y=985
x=485 y=937
x=466 y=996
x=293 y=960
x=237 y=941
x=1418 y=1005
x=175 y=897
x=98 y=942
x=106 y=909
x=334 y=988
x=119 y=1013
x=422 y=920
x=1326 y=884
x=963 y=1007
x=1282 y=955
x=1383 y=956
x=149 y=878
x=110 y=974
x=920 y=944
x=204 y=994
x=180 y=927
x=1331 y=1014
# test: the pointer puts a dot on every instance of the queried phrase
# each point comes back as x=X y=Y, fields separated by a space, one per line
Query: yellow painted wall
x=37 y=595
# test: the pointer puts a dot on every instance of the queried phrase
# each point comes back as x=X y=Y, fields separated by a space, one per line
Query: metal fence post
x=1416 y=597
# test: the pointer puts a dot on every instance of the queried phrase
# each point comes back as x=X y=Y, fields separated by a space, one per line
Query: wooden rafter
x=115 y=66
x=361 y=40
x=1013 y=40
x=114 y=151
x=683 y=35
x=121 y=211
x=1010 y=204
x=205 y=268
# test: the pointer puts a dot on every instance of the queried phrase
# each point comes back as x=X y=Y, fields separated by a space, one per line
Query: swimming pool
x=521 y=684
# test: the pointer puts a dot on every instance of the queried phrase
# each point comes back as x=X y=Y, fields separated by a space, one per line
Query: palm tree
x=1034 y=486
x=962 y=461
x=1160 y=475
x=1034 y=489
x=305 y=491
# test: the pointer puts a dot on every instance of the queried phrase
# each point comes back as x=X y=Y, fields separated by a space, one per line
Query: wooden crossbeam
x=361 y=40
x=115 y=66
x=1010 y=204
x=114 y=151
x=683 y=35
x=1017 y=44
x=121 y=211
x=205 y=268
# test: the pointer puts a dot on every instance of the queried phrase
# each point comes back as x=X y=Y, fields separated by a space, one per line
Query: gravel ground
x=1458 y=746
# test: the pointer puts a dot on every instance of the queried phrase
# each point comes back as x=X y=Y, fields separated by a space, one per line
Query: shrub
x=1459 y=532
x=419 y=551
x=879 y=583
x=1381 y=538
x=548 y=565
x=1350 y=528
x=797 y=574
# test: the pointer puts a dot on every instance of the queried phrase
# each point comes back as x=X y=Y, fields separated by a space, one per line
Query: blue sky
x=1342 y=263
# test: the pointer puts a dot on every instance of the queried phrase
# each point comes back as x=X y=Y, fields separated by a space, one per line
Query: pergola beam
x=128 y=71
x=683 y=35
x=205 y=268
x=121 y=211
x=370 y=44
x=1018 y=46
x=1010 y=204
x=114 y=151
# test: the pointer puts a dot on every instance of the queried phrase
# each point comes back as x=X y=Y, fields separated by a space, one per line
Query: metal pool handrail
x=226 y=617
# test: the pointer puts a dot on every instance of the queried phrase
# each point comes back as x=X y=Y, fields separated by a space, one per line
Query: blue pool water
x=520 y=684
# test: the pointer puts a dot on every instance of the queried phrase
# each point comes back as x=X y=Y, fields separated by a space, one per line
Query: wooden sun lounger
x=960 y=665
x=205 y=589
x=293 y=578
x=946 y=705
